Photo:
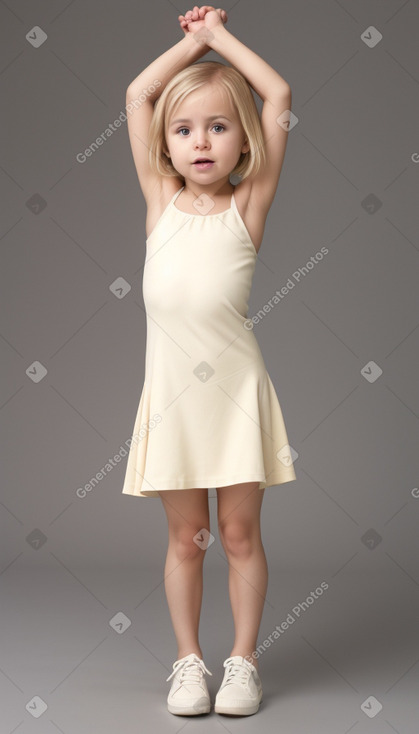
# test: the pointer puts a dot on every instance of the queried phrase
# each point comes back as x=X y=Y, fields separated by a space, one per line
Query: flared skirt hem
x=288 y=475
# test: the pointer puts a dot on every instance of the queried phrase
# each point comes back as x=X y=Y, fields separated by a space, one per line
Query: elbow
x=285 y=91
x=134 y=85
x=282 y=91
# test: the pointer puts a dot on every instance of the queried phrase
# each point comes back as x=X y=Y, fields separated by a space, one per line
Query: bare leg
x=187 y=513
x=239 y=508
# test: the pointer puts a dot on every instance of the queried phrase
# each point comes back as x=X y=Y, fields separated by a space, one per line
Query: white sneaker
x=241 y=690
x=189 y=694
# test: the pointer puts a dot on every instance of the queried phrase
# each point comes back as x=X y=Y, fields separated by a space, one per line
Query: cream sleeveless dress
x=208 y=414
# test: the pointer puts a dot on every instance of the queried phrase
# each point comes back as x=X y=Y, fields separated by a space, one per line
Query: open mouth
x=203 y=163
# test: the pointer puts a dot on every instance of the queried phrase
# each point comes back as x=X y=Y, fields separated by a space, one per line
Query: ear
x=245 y=147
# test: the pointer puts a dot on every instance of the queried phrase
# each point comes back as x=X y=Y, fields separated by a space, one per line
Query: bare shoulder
x=252 y=211
x=159 y=198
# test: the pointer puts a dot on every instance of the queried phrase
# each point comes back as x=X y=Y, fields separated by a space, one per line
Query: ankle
x=189 y=651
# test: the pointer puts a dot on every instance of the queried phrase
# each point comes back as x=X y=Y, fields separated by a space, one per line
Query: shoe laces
x=192 y=670
x=235 y=670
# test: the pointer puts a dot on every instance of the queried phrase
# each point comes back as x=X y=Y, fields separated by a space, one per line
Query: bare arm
x=139 y=116
x=176 y=58
x=276 y=95
x=266 y=82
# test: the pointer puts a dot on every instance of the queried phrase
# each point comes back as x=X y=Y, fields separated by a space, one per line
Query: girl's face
x=205 y=125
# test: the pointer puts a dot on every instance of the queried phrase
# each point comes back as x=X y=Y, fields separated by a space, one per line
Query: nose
x=200 y=138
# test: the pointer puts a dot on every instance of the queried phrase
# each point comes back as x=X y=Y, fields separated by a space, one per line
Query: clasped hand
x=204 y=17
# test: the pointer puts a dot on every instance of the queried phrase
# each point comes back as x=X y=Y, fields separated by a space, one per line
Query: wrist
x=215 y=34
x=196 y=47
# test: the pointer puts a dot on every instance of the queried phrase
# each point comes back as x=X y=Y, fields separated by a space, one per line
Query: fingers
x=199 y=14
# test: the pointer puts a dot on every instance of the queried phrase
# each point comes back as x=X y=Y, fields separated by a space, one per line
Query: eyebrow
x=213 y=117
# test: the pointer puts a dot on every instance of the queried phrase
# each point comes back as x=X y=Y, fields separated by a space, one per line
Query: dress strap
x=174 y=197
x=165 y=211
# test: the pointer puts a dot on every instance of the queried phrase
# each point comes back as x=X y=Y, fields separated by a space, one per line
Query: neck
x=213 y=190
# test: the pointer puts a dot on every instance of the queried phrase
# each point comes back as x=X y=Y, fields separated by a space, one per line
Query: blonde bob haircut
x=194 y=77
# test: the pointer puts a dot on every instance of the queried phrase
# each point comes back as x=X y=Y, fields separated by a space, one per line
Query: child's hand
x=214 y=18
x=193 y=20
x=204 y=17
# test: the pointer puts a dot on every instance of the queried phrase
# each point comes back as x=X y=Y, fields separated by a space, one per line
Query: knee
x=237 y=539
x=189 y=543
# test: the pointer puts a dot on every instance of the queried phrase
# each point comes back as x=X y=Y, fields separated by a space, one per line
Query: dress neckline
x=188 y=214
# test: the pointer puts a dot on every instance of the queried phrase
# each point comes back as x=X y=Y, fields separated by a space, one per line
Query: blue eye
x=186 y=128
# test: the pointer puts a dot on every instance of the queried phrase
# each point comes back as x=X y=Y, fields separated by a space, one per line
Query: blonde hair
x=188 y=80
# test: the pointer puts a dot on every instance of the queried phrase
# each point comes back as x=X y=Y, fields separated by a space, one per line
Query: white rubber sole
x=222 y=708
x=202 y=706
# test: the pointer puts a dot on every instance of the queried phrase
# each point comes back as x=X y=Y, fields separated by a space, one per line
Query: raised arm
x=141 y=95
x=176 y=58
x=276 y=95
x=263 y=78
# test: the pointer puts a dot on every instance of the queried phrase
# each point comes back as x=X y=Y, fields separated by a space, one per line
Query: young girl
x=208 y=415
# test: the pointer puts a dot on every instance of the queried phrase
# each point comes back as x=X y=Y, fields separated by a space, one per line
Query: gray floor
x=357 y=640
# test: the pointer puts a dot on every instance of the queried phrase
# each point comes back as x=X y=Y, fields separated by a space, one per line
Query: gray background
x=70 y=564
